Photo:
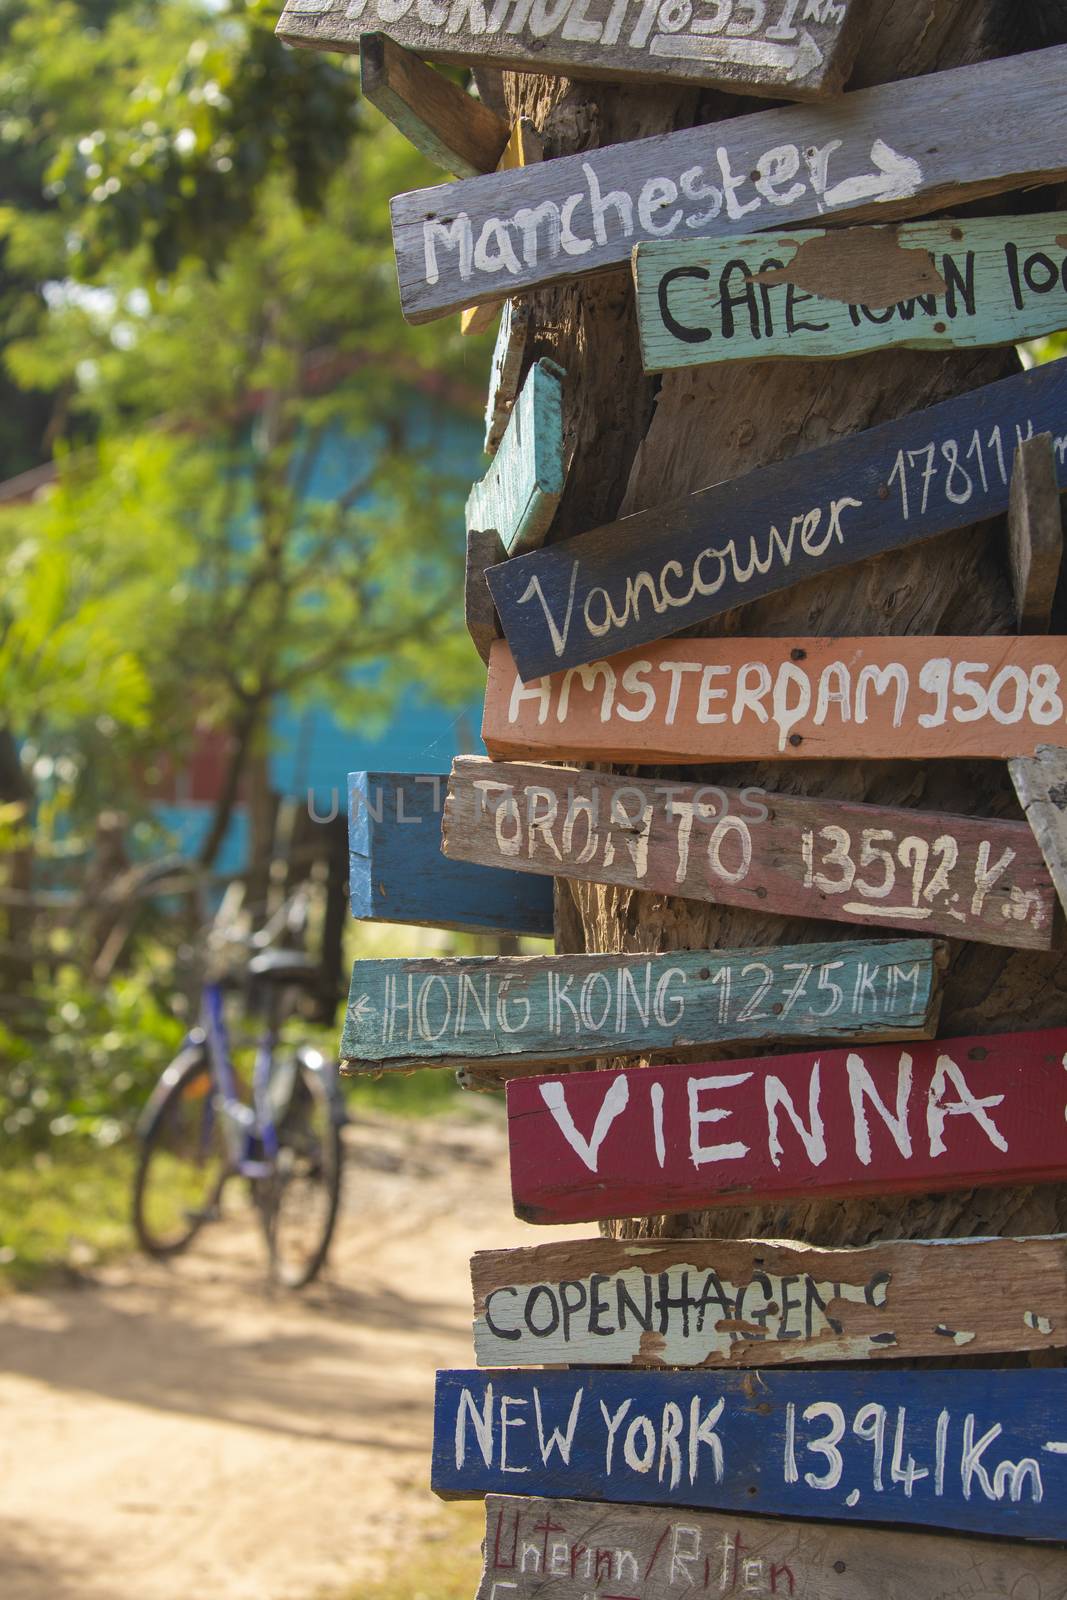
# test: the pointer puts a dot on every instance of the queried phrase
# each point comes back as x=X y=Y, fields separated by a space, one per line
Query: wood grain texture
x=519 y=494
x=511 y=1011
x=1035 y=530
x=699 y=701
x=548 y=1549
x=950 y=284
x=506 y=370
x=882 y=867
x=929 y=1118
x=658 y=571
x=775 y=49
x=522 y=149
x=980 y=1451
x=449 y=127
x=759 y=1302
x=484 y=547
x=398 y=874
x=874 y=158
x=1041 y=784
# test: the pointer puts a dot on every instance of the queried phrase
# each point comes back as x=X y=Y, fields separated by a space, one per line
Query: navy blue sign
x=978 y=1450
x=655 y=573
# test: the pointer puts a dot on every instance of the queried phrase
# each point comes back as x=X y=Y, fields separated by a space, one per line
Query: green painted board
x=519 y=494
x=511 y=1010
x=818 y=293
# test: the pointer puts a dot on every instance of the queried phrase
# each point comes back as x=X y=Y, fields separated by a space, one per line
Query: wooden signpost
x=519 y=494
x=449 y=127
x=572 y=1550
x=523 y=148
x=510 y=1011
x=981 y=1451
x=747 y=1303
x=483 y=548
x=781 y=49
x=1035 y=529
x=870 y=155
x=1041 y=783
x=700 y=701
x=800 y=856
x=506 y=370
x=816 y=294
x=398 y=874
x=661 y=570
x=932 y=1117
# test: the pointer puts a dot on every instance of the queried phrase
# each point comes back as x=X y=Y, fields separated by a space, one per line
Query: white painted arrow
x=897 y=177
x=795 y=60
x=362 y=1010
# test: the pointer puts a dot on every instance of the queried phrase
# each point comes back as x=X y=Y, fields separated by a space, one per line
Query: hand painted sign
x=952 y=1114
x=869 y=155
x=571 y=1550
x=698 y=701
x=522 y=149
x=519 y=494
x=662 y=570
x=981 y=1451
x=508 y=355
x=790 y=49
x=927 y=285
x=742 y=1303
x=510 y=1010
x=398 y=874
x=749 y=847
x=448 y=126
x=1041 y=783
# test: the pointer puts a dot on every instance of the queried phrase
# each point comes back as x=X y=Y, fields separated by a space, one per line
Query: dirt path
x=172 y=1433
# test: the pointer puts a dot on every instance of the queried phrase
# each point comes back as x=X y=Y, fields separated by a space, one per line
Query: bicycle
x=197 y=1133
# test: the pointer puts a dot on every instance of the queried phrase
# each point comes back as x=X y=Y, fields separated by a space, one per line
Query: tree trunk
x=638 y=443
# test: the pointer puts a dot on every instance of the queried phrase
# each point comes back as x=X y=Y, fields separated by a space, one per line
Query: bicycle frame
x=243 y=1125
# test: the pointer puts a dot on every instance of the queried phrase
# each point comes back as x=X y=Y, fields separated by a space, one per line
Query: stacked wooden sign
x=702 y=1386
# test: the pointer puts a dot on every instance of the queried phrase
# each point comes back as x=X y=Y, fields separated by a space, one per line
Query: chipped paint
x=860 y=266
x=1040 y=1324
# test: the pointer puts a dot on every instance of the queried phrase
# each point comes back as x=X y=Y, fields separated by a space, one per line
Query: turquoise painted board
x=508 y=354
x=398 y=874
x=818 y=293
x=519 y=494
x=511 y=1010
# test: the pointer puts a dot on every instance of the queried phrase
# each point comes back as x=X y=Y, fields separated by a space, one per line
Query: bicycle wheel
x=298 y=1201
x=183 y=1162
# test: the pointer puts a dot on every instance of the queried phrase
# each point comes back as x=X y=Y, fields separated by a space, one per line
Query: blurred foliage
x=63 y=1211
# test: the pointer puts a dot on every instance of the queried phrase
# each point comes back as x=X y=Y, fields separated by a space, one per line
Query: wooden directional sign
x=810 y=294
x=982 y=1451
x=512 y=1010
x=746 y=1303
x=522 y=149
x=398 y=874
x=1035 y=529
x=506 y=371
x=479 y=612
x=664 y=569
x=449 y=127
x=698 y=701
x=792 y=854
x=871 y=155
x=1041 y=783
x=519 y=494
x=573 y=1549
x=783 y=48
x=953 y=1114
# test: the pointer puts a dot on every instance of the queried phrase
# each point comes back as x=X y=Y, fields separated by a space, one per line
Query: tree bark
x=638 y=442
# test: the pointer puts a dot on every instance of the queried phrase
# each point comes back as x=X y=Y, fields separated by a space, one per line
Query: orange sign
x=708 y=700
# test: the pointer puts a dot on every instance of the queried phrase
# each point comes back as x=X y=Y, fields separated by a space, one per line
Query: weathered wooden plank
x=870 y=155
x=514 y=1010
x=523 y=148
x=484 y=546
x=506 y=370
x=450 y=128
x=753 y=1302
x=673 y=565
x=980 y=1451
x=398 y=874
x=952 y=1114
x=519 y=494
x=1041 y=783
x=707 y=700
x=556 y=1549
x=800 y=856
x=814 y=293
x=1035 y=530
x=727 y=44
